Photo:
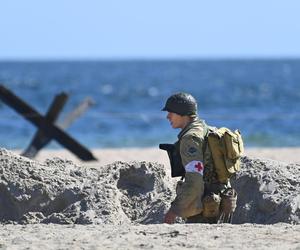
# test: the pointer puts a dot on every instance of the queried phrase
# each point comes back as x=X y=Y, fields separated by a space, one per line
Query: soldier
x=192 y=152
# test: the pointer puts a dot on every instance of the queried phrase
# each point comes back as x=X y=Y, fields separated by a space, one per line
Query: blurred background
x=241 y=61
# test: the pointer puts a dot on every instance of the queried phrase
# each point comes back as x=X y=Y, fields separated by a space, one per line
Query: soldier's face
x=176 y=121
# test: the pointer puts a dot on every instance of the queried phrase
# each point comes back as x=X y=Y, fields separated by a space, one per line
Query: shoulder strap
x=206 y=128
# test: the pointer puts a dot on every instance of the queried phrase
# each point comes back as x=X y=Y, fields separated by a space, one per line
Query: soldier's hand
x=170 y=217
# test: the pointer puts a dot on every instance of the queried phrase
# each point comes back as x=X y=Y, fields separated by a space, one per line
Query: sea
x=259 y=97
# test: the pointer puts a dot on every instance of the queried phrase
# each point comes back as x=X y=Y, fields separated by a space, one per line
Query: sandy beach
x=110 y=155
x=193 y=236
x=151 y=236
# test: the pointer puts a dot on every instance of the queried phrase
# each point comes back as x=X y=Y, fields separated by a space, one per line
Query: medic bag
x=227 y=148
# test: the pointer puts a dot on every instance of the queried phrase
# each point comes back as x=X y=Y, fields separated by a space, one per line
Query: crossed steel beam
x=47 y=130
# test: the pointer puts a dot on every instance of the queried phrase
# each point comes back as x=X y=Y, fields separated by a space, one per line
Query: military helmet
x=181 y=104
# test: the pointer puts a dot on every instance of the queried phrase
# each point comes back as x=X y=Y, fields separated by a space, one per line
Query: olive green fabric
x=188 y=201
x=211 y=189
x=210 y=174
x=211 y=205
x=226 y=147
x=198 y=130
x=192 y=147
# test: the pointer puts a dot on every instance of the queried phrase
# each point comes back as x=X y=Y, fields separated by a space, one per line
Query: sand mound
x=57 y=191
x=268 y=192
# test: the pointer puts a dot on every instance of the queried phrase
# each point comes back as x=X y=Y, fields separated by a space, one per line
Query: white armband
x=194 y=167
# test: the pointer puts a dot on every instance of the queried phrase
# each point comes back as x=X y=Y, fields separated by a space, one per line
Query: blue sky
x=96 y=29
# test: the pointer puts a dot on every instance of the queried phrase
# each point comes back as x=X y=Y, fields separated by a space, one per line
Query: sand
x=156 y=236
x=193 y=236
x=106 y=156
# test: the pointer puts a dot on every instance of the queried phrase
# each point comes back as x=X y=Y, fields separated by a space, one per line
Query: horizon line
x=127 y=59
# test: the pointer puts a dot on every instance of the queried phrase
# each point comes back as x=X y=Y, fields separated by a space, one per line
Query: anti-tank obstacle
x=47 y=129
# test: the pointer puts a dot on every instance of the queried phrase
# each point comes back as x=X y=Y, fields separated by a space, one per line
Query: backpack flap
x=234 y=150
x=217 y=149
x=226 y=147
x=234 y=144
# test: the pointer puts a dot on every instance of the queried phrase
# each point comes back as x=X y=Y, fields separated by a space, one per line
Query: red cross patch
x=199 y=166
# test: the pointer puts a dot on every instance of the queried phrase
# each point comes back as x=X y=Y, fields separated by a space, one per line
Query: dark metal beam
x=40 y=139
x=42 y=123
